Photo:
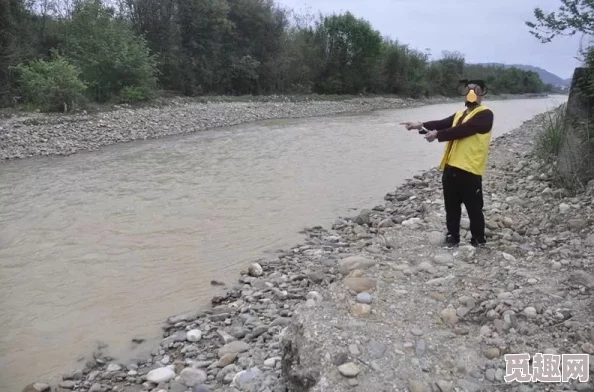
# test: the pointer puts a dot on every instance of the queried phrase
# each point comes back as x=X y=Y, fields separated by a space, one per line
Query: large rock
x=300 y=364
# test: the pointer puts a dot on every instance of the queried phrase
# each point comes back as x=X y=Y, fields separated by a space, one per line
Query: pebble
x=349 y=369
x=194 y=335
x=69 y=384
x=364 y=298
x=255 y=270
x=192 y=377
x=352 y=263
x=271 y=362
x=226 y=359
x=113 y=367
x=234 y=347
x=376 y=349
x=360 y=310
x=530 y=312
x=37 y=387
x=359 y=285
x=449 y=316
x=96 y=387
x=492 y=353
x=416 y=386
x=444 y=258
x=247 y=380
x=160 y=375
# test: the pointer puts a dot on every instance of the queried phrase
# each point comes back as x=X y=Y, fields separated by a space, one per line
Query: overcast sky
x=485 y=31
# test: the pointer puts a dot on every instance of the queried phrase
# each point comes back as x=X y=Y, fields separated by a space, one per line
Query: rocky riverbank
x=374 y=304
x=41 y=135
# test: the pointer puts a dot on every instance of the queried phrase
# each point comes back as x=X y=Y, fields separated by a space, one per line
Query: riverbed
x=104 y=245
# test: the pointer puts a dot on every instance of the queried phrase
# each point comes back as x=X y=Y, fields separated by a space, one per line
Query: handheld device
x=423 y=131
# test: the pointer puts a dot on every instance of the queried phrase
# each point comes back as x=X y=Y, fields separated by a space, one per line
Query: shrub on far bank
x=131 y=94
x=52 y=85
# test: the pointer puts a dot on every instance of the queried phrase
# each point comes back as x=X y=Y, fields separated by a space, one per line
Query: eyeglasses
x=463 y=87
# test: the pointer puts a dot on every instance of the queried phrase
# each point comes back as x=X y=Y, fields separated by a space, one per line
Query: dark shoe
x=478 y=244
x=451 y=241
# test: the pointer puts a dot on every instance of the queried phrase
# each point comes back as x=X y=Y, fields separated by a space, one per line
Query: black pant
x=462 y=187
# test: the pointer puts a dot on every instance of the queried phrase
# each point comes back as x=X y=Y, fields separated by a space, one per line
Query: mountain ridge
x=546 y=76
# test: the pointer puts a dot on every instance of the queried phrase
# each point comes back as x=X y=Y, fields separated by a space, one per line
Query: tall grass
x=568 y=144
x=553 y=134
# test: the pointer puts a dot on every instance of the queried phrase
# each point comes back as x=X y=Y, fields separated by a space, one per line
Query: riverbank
x=429 y=317
x=35 y=134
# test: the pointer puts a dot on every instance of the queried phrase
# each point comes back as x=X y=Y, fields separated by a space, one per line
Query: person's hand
x=409 y=125
x=431 y=136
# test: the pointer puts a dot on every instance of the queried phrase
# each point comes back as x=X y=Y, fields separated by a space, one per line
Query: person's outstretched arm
x=438 y=125
x=481 y=123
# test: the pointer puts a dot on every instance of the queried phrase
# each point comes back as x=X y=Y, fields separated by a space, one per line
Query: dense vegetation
x=54 y=53
x=568 y=136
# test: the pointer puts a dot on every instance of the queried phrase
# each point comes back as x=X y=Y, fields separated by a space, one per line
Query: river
x=105 y=245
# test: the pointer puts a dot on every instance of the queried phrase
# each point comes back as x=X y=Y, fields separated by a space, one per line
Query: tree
x=352 y=50
x=108 y=53
x=573 y=17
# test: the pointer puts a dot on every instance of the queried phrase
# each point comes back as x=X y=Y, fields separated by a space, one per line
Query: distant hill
x=545 y=76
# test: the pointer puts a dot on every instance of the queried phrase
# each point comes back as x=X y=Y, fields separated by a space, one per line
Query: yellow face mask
x=471 y=97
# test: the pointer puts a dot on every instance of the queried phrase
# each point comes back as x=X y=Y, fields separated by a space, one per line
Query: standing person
x=468 y=135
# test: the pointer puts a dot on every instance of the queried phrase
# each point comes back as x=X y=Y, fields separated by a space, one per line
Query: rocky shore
x=374 y=304
x=41 y=135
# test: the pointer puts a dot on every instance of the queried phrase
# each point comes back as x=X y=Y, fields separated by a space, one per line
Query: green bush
x=108 y=52
x=131 y=94
x=50 y=85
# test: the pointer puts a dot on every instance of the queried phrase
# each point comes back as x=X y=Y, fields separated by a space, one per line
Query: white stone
x=411 y=221
x=271 y=362
x=194 y=335
x=564 y=208
x=113 y=367
x=255 y=270
x=160 y=375
x=349 y=369
x=530 y=312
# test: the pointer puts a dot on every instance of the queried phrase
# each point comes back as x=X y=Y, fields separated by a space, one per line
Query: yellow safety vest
x=470 y=153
